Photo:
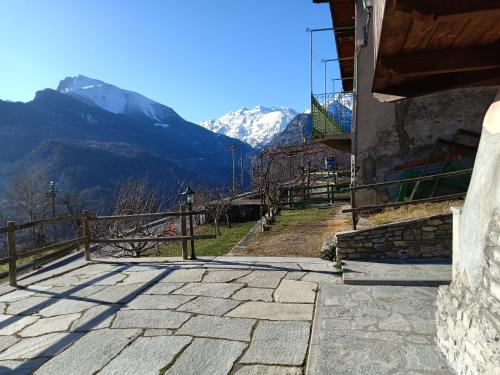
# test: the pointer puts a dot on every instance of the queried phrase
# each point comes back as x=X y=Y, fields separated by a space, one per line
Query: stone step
x=397 y=273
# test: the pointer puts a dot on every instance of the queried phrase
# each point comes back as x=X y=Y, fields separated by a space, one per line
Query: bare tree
x=26 y=201
x=270 y=173
x=132 y=197
x=218 y=200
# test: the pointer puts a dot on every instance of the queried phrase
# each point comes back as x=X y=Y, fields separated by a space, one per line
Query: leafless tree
x=218 y=200
x=26 y=200
x=269 y=173
x=132 y=197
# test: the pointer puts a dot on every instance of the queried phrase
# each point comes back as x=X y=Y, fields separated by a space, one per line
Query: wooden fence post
x=11 y=242
x=184 y=232
x=86 y=234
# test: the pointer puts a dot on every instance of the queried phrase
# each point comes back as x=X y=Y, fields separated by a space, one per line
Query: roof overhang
x=426 y=46
x=343 y=19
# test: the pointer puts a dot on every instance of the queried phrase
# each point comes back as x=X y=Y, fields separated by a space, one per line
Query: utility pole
x=241 y=168
x=232 y=148
x=51 y=195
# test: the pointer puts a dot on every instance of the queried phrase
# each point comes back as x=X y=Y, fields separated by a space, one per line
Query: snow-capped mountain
x=254 y=126
x=114 y=99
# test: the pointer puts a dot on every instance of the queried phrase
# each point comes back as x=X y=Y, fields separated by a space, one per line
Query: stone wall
x=430 y=237
x=468 y=314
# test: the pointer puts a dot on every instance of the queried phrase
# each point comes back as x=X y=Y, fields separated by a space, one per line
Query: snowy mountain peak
x=113 y=98
x=254 y=126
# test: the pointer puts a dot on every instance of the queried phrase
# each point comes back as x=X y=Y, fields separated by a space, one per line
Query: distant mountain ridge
x=255 y=126
x=114 y=99
x=87 y=141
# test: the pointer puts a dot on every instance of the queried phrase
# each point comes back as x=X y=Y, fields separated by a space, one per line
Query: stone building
x=423 y=69
x=391 y=139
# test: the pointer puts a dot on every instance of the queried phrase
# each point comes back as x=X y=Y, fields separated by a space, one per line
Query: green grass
x=301 y=216
x=217 y=246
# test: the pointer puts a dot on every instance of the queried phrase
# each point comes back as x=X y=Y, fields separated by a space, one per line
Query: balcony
x=332 y=119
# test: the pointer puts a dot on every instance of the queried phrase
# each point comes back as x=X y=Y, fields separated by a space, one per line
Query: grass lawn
x=417 y=211
x=217 y=246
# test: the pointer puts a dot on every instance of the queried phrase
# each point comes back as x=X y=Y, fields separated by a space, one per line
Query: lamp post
x=233 y=148
x=189 y=194
x=51 y=195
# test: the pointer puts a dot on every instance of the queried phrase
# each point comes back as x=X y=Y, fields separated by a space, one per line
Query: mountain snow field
x=255 y=126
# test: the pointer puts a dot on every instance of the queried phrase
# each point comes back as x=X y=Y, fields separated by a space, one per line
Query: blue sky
x=201 y=57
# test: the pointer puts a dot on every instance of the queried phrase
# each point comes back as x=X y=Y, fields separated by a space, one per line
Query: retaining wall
x=429 y=237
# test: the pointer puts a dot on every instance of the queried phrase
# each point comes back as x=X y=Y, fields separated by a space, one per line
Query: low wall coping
x=396 y=224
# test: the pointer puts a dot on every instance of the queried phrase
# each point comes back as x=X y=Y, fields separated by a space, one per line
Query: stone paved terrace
x=227 y=315
x=223 y=315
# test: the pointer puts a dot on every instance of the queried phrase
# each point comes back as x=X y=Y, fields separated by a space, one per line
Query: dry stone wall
x=429 y=237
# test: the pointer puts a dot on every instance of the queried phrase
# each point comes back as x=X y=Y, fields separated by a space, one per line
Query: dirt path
x=296 y=233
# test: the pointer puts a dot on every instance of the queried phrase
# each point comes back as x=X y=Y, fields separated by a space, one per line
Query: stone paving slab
x=263 y=279
x=183 y=276
x=268 y=370
x=220 y=290
x=273 y=311
x=403 y=273
x=209 y=306
x=224 y=276
x=371 y=329
x=207 y=356
x=158 y=302
x=254 y=294
x=41 y=346
x=103 y=315
x=218 y=327
x=146 y=355
x=149 y=319
x=96 y=317
x=48 y=325
x=296 y=292
x=278 y=343
x=90 y=353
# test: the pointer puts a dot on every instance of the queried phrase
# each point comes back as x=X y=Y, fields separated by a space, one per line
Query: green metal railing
x=322 y=122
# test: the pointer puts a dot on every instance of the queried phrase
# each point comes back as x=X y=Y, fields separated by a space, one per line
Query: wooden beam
x=444 y=61
x=446 y=7
x=432 y=84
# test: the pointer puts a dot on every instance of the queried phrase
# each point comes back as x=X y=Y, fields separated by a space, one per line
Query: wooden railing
x=86 y=239
x=433 y=177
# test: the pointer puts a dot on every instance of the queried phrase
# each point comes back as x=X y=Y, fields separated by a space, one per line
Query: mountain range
x=89 y=135
x=255 y=126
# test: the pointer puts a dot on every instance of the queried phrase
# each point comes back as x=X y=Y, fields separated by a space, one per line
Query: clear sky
x=201 y=57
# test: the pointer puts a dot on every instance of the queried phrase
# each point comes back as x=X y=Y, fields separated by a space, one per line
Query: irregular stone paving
x=225 y=316
x=375 y=330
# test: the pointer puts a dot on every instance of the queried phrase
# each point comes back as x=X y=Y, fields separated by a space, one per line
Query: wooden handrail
x=149 y=215
x=398 y=204
x=26 y=254
x=409 y=180
x=154 y=239
x=43 y=221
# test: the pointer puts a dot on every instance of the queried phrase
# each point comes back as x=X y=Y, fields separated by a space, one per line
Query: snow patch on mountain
x=113 y=98
x=255 y=126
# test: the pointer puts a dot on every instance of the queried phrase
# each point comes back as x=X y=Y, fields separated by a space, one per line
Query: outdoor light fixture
x=189 y=193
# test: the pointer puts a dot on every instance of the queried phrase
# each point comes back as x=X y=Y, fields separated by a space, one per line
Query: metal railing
x=331 y=113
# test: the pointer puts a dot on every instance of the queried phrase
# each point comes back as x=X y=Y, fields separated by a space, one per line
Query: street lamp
x=189 y=194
